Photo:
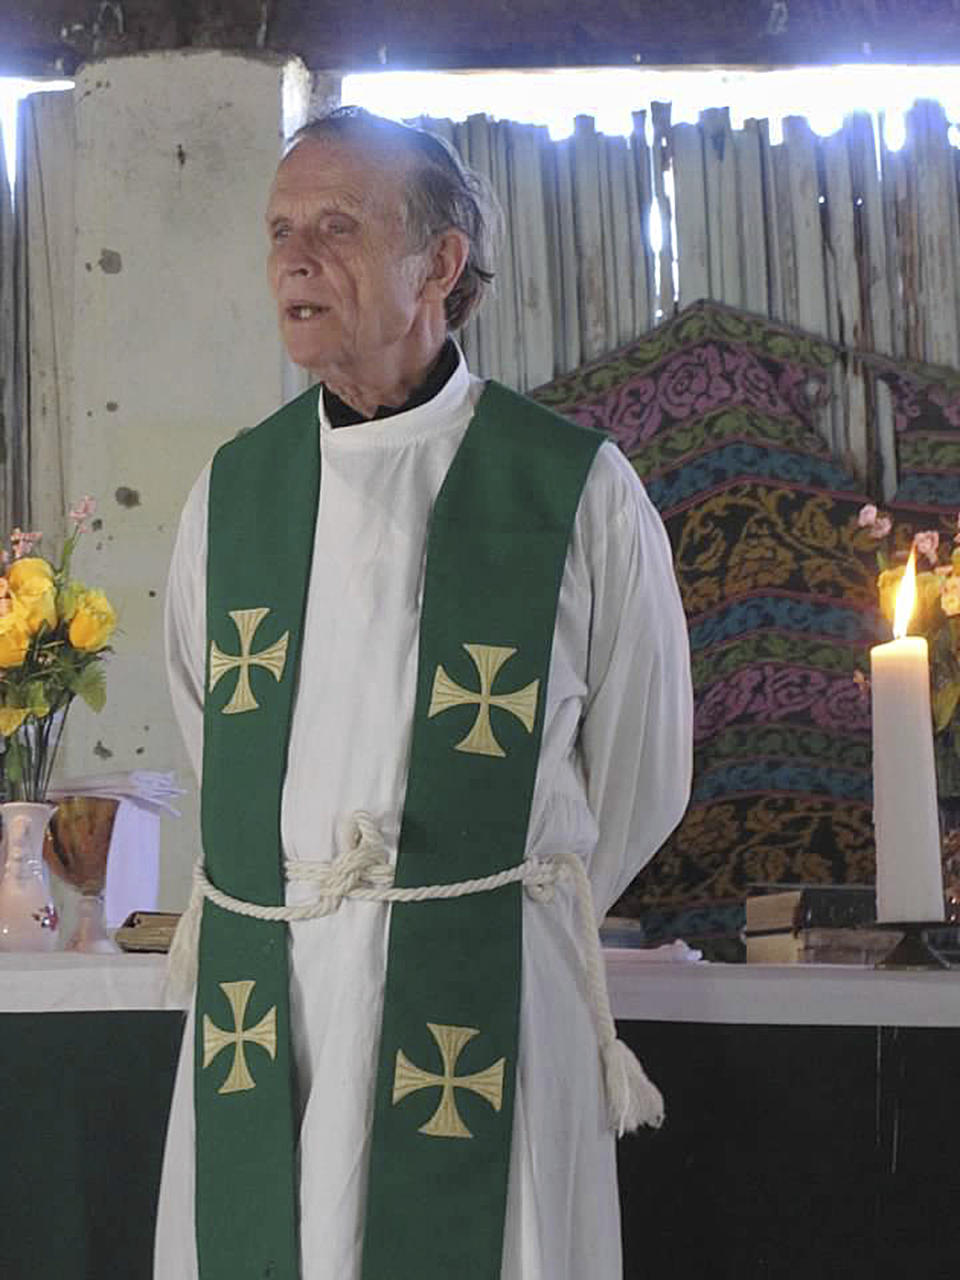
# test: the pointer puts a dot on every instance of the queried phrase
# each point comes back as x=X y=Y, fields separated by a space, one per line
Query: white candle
x=906 y=825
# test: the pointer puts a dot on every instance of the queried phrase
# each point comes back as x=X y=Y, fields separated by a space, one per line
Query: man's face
x=346 y=284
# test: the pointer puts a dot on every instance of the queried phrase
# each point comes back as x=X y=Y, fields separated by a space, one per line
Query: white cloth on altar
x=613 y=781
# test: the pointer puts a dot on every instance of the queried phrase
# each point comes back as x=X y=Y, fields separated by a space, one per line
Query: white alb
x=612 y=782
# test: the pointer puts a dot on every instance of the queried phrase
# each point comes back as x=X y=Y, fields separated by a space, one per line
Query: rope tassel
x=632 y=1097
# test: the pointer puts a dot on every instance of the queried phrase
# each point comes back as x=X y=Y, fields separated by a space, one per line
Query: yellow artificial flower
x=39 y=600
x=31 y=581
x=27 y=570
x=11 y=718
x=14 y=634
x=950 y=596
x=93 y=621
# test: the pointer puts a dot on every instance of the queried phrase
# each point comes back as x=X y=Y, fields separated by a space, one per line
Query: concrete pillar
x=175 y=349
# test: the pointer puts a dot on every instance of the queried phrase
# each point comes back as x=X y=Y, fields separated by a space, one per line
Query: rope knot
x=540 y=878
x=362 y=863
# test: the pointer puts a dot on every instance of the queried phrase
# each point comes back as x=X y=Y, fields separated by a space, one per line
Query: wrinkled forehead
x=358 y=173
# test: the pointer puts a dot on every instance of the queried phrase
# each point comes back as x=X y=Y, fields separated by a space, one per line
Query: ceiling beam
x=49 y=36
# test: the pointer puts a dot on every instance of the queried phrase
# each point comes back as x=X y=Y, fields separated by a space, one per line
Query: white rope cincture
x=363 y=872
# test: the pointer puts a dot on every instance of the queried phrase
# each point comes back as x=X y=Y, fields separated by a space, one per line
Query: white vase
x=28 y=918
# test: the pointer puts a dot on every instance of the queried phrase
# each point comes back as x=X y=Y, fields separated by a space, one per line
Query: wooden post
x=662 y=158
x=569 y=268
x=548 y=169
x=467 y=336
x=532 y=271
x=13 y=498
x=477 y=133
x=935 y=189
x=874 y=292
x=720 y=190
x=845 y=322
x=786 y=234
x=750 y=224
x=626 y=266
x=693 y=237
x=611 y=284
x=46 y=208
x=804 y=187
x=589 y=233
x=903 y=191
x=891 y=235
x=508 y=332
x=640 y=202
x=771 y=222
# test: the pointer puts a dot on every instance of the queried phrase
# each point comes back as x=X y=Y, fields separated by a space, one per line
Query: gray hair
x=442 y=194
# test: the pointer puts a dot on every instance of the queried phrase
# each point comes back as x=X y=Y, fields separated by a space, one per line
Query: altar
x=808 y=1132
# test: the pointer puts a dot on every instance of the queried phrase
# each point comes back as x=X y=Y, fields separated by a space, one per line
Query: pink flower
x=867 y=516
x=82 y=512
x=23 y=543
x=881 y=527
x=927 y=544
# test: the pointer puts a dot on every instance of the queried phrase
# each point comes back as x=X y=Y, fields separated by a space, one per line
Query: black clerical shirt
x=342 y=414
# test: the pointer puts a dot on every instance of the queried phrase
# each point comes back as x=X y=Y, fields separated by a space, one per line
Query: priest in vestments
x=427 y=653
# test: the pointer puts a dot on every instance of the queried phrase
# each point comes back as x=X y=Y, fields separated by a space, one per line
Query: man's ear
x=446 y=260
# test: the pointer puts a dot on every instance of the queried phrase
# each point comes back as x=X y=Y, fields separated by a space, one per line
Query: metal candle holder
x=912 y=951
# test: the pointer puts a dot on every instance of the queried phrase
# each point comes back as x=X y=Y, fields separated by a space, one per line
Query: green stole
x=496 y=548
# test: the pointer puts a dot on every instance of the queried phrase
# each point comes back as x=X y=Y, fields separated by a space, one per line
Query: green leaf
x=34 y=697
x=90 y=684
x=944 y=704
x=68 y=548
x=12 y=764
x=68 y=599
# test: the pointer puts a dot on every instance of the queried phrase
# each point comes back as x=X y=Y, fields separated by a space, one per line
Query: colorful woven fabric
x=716 y=410
x=926 y=406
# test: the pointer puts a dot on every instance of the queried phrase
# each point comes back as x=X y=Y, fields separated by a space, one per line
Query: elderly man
x=426 y=638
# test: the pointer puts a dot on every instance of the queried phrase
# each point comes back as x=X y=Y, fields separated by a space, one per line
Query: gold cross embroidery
x=215 y=1038
x=273 y=659
x=445 y=1121
x=488 y=659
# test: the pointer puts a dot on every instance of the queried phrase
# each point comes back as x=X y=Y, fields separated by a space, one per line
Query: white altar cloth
x=771 y=995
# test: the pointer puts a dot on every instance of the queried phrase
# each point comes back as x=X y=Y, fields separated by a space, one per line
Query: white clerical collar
x=445 y=411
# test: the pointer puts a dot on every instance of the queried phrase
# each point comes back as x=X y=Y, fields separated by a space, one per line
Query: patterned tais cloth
x=716 y=411
x=926 y=402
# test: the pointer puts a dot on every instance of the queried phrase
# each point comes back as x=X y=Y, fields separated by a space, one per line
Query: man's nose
x=295 y=258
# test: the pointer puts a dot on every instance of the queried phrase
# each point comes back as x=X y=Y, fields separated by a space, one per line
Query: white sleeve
x=637 y=731
x=185 y=619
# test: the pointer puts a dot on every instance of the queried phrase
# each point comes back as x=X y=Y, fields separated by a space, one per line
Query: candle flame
x=906 y=598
